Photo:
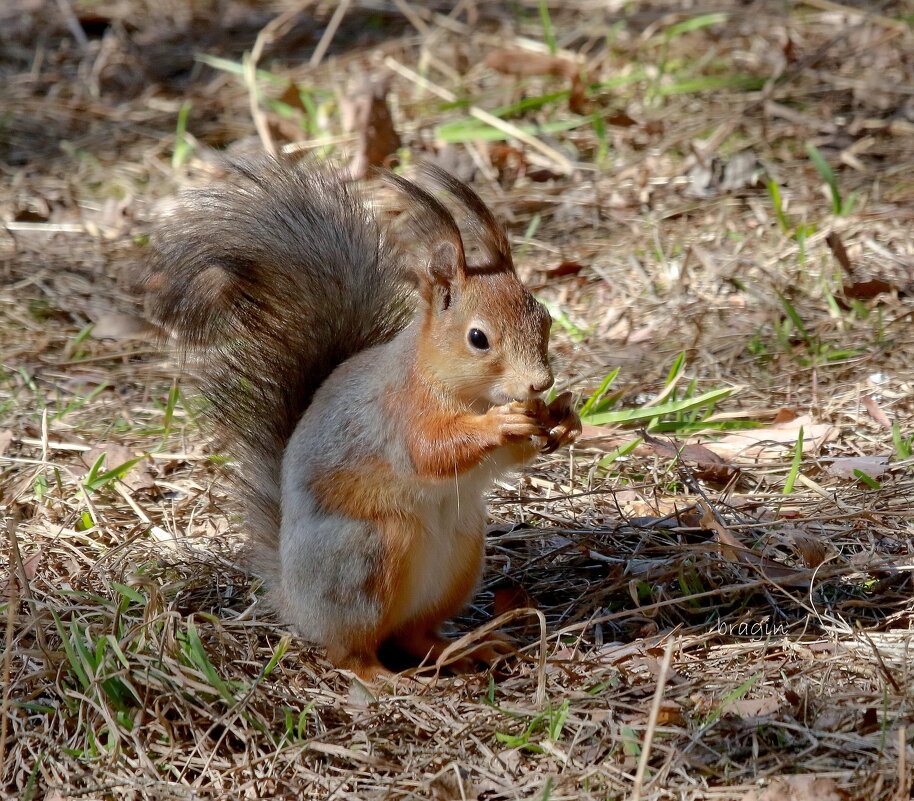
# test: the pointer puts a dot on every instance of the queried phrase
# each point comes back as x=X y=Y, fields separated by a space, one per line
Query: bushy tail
x=269 y=279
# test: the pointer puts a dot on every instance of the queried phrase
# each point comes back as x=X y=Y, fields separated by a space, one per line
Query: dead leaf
x=754 y=707
x=12 y=587
x=6 y=437
x=564 y=268
x=872 y=466
x=874 y=411
x=734 y=550
x=839 y=252
x=711 y=467
x=292 y=97
x=114 y=325
x=367 y=114
x=772 y=443
x=614 y=653
x=864 y=290
x=510 y=597
x=577 y=96
x=802 y=787
x=523 y=63
x=604 y=437
x=29 y=567
x=670 y=714
x=620 y=120
x=784 y=416
x=812 y=549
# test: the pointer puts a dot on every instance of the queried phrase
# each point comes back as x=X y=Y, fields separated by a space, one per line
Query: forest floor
x=712 y=593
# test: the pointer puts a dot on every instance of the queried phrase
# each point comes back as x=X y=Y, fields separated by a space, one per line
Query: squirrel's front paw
x=516 y=421
x=564 y=425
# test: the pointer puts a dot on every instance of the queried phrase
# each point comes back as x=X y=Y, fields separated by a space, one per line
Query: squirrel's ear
x=445 y=265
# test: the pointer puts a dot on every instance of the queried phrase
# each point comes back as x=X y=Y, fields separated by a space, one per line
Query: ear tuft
x=489 y=234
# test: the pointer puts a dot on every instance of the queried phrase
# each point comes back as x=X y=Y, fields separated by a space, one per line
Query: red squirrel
x=368 y=397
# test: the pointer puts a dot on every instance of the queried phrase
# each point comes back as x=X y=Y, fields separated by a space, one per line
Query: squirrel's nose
x=542 y=385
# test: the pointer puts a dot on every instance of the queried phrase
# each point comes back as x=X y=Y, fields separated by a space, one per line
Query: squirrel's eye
x=478 y=339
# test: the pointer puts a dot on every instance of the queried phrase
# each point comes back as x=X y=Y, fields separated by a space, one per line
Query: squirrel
x=367 y=396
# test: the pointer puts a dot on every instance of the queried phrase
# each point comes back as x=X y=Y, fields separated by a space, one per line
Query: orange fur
x=365 y=490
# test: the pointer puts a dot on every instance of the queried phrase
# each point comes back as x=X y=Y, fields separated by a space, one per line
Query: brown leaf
x=292 y=97
x=801 y=787
x=784 y=416
x=620 y=120
x=577 y=96
x=864 y=290
x=6 y=437
x=367 y=114
x=510 y=597
x=523 y=63
x=839 y=252
x=754 y=707
x=564 y=268
x=711 y=467
x=874 y=411
x=812 y=549
x=670 y=714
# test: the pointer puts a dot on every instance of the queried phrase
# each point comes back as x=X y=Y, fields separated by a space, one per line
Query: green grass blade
x=622 y=450
x=728 y=699
x=472 y=130
x=548 y=31
x=694 y=24
x=828 y=175
x=675 y=369
x=183 y=146
x=601 y=391
x=795 y=318
x=636 y=415
x=774 y=192
x=95 y=482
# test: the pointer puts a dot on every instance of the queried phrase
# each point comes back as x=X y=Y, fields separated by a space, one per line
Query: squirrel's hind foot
x=365 y=665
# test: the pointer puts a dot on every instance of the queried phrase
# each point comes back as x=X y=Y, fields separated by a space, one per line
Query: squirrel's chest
x=447 y=549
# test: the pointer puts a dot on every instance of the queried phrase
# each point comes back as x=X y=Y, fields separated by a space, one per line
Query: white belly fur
x=452 y=514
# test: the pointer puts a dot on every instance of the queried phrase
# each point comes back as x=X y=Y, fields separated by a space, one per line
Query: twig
x=73 y=24
x=652 y=719
x=903 y=778
x=269 y=33
x=11 y=609
x=410 y=13
x=329 y=33
x=899 y=26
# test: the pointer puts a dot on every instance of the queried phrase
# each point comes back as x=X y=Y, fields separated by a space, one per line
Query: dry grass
x=137 y=661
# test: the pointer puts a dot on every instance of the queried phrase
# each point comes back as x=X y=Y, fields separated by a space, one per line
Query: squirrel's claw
x=568 y=427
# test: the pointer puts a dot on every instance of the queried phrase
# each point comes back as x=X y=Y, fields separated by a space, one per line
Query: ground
x=716 y=199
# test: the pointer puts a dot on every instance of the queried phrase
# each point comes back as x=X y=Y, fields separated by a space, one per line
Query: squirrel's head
x=484 y=336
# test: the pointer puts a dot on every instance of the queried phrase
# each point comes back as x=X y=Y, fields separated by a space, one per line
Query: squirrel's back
x=269 y=279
